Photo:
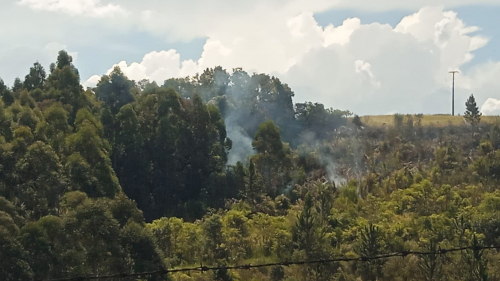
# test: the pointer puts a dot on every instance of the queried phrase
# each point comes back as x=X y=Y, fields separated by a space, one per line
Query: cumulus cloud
x=340 y=35
x=155 y=66
x=384 y=5
x=491 y=107
x=364 y=68
x=185 y=20
x=90 y=8
x=92 y=81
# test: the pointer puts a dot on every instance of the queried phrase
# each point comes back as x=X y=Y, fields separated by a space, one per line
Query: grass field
x=427 y=120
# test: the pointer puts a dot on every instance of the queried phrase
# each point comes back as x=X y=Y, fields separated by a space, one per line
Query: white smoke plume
x=242 y=143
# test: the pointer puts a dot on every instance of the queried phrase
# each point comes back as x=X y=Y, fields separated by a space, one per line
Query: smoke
x=331 y=170
x=325 y=159
x=242 y=143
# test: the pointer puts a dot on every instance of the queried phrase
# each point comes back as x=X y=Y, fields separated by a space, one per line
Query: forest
x=224 y=169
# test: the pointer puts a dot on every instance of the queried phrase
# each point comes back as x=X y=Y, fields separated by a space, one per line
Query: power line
x=282 y=263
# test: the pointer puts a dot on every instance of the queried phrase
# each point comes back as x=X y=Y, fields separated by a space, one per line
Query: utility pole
x=453 y=94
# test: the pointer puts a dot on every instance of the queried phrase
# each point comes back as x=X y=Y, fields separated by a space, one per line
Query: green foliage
x=277 y=273
x=36 y=77
x=431 y=265
x=17 y=86
x=273 y=160
x=115 y=90
x=315 y=118
x=369 y=246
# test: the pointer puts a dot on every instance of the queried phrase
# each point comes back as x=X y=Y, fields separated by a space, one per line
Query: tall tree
x=273 y=158
x=115 y=90
x=5 y=93
x=431 y=266
x=35 y=78
x=472 y=114
x=369 y=245
x=357 y=121
x=18 y=85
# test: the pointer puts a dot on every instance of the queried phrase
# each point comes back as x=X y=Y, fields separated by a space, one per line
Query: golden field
x=427 y=120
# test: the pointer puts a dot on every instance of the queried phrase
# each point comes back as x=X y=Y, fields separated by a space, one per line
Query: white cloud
x=52 y=49
x=384 y=5
x=90 y=8
x=491 y=107
x=155 y=66
x=92 y=81
x=367 y=68
x=185 y=20
x=364 y=68
x=341 y=34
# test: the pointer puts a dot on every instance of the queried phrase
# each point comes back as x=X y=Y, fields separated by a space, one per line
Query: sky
x=370 y=57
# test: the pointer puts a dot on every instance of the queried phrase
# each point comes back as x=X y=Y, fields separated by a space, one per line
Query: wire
x=282 y=263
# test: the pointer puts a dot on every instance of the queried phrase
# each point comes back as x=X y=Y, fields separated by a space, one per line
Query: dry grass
x=427 y=120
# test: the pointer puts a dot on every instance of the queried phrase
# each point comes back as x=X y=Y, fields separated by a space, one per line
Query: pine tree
x=472 y=114
x=277 y=273
x=431 y=265
x=253 y=188
x=369 y=246
x=357 y=121
x=475 y=263
x=18 y=85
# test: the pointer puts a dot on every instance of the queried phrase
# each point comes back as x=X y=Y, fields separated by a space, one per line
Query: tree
x=307 y=234
x=309 y=237
x=431 y=265
x=215 y=249
x=475 y=263
x=268 y=139
x=5 y=93
x=41 y=182
x=273 y=158
x=5 y=124
x=90 y=158
x=253 y=184
x=222 y=274
x=95 y=230
x=13 y=259
x=64 y=85
x=277 y=273
x=357 y=121
x=36 y=77
x=64 y=59
x=314 y=117
x=18 y=85
x=115 y=90
x=472 y=114
x=35 y=239
x=369 y=246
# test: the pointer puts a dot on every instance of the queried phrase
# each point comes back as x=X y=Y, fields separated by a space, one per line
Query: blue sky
x=352 y=65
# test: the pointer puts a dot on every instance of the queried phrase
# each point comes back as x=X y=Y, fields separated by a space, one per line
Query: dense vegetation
x=223 y=168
